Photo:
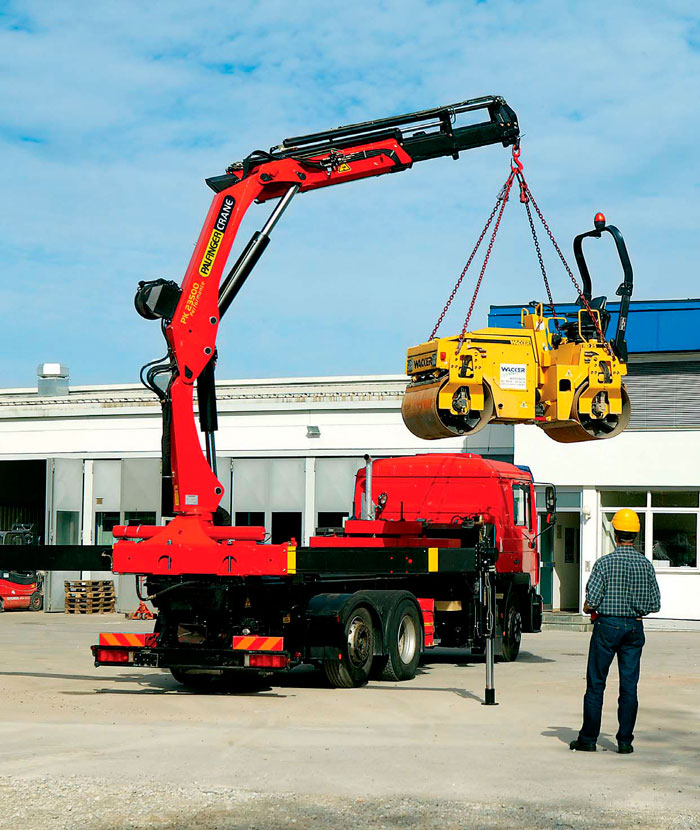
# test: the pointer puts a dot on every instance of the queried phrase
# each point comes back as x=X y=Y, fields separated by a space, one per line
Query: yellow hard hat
x=626 y=520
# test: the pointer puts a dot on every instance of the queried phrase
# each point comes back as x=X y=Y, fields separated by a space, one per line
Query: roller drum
x=587 y=427
x=420 y=413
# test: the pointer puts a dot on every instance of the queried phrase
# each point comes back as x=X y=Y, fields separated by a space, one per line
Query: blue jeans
x=624 y=637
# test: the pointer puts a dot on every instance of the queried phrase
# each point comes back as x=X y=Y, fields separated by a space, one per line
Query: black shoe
x=582 y=746
x=625 y=749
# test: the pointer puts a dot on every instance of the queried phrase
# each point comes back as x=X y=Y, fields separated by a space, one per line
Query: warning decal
x=513 y=376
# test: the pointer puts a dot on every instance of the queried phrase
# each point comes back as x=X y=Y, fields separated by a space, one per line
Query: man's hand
x=587 y=608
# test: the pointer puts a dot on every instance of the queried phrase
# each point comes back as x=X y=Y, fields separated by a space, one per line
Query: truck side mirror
x=550 y=502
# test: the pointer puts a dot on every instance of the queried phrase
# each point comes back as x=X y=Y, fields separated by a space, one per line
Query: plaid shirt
x=623 y=584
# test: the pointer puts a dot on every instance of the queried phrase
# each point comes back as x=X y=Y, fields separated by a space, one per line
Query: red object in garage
x=20 y=590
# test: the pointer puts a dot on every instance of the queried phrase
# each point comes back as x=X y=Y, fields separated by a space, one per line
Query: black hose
x=164 y=591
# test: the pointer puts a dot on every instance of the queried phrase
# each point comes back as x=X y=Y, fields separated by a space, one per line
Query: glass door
x=65 y=515
x=546 y=541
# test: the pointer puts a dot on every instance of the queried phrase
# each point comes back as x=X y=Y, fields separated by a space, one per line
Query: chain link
x=587 y=305
x=503 y=202
x=525 y=197
x=469 y=262
x=526 y=202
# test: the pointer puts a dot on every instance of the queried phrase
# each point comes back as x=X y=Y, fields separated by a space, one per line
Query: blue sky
x=114 y=113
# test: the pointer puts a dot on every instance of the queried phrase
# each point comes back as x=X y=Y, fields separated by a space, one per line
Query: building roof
x=273 y=393
x=652 y=326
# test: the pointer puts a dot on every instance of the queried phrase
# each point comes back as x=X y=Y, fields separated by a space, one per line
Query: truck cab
x=447 y=500
x=446 y=491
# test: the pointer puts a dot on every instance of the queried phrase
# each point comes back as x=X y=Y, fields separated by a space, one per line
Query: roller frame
x=587 y=368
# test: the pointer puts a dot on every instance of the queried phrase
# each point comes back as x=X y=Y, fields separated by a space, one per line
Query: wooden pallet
x=81 y=609
x=88 y=603
x=89 y=596
x=89 y=583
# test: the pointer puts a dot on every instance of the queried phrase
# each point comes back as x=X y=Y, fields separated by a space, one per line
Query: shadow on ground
x=301 y=677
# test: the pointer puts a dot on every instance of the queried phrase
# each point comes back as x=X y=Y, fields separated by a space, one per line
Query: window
x=250 y=519
x=669 y=524
x=285 y=527
x=609 y=546
x=104 y=525
x=521 y=505
x=623 y=498
x=67 y=527
x=674 y=498
x=566 y=499
x=675 y=540
x=139 y=517
x=330 y=519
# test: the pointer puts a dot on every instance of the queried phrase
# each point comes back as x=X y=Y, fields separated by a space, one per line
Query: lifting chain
x=469 y=262
x=503 y=197
x=594 y=317
x=526 y=202
x=526 y=198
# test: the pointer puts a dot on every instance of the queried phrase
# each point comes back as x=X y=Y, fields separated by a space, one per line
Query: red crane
x=190 y=314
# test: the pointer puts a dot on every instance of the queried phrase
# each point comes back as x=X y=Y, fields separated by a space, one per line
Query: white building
x=77 y=464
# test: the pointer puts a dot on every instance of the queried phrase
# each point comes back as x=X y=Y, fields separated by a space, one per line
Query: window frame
x=519 y=485
x=649 y=512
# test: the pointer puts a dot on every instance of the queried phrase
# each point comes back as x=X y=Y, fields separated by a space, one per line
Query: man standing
x=621 y=590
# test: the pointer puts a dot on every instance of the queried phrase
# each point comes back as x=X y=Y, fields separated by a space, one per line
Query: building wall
x=270 y=462
x=634 y=461
x=103 y=449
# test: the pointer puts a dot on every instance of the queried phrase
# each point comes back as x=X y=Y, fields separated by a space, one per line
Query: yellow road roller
x=558 y=373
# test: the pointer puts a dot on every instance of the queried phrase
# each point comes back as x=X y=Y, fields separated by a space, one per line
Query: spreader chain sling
x=526 y=198
x=567 y=381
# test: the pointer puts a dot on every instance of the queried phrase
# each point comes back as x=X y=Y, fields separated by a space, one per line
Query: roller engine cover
x=157 y=299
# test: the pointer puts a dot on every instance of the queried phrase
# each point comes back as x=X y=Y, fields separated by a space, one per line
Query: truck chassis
x=355 y=612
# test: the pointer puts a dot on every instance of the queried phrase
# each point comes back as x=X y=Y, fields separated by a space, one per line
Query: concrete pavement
x=66 y=726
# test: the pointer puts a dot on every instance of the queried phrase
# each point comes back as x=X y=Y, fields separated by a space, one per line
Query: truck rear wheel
x=404 y=633
x=512 y=632
x=355 y=652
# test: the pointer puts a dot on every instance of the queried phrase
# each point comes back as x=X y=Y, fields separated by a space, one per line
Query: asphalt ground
x=126 y=748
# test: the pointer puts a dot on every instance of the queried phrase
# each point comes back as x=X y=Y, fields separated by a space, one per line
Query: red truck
x=413 y=568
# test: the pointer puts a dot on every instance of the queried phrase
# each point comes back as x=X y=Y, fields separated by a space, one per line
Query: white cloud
x=130 y=106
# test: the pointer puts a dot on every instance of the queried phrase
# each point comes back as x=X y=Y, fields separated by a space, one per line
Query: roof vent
x=52 y=379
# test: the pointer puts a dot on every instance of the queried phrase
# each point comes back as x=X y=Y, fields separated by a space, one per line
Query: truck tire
x=512 y=632
x=355 y=651
x=2 y=605
x=36 y=601
x=403 y=643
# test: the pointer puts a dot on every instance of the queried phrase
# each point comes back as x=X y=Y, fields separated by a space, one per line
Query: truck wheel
x=2 y=605
x=35 y=601
x=512 y=628
x=355 y=652
x=403 y=642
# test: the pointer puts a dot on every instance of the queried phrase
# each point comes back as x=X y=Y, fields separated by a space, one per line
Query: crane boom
x=423 y=135
x=191 y=313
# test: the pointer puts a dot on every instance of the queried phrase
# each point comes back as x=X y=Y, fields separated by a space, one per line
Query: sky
x=114 y=113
